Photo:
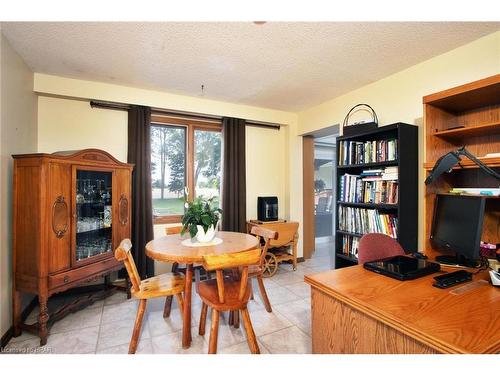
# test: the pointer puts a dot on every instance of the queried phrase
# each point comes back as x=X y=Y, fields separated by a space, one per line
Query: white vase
x=201 y=236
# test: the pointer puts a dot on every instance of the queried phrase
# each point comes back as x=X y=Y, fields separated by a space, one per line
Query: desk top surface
x=464 y=318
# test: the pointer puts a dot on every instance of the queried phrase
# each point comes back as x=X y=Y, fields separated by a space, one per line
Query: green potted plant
x=201 y=219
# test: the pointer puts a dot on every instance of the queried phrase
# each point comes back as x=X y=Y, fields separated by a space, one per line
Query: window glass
x=168 y=169
x=207 y=164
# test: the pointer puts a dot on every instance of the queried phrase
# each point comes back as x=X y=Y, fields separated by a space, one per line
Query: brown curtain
x=234 y=175
x=139 y=154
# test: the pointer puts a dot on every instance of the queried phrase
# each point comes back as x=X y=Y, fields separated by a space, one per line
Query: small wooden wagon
x=280 y=250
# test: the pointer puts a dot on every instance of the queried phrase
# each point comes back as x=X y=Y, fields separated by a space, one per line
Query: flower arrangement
x=200 y=219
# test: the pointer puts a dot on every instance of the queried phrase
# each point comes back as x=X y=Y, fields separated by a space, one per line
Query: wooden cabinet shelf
x=470 y=131
x=477 y=106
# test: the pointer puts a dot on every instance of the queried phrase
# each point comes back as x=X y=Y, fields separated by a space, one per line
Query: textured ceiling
x=289 y=65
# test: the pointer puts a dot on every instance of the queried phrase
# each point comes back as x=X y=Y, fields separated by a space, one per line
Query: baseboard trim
x=24 y=315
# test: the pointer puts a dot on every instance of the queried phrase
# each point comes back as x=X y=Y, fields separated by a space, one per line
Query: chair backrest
x=123 y=253
x=264 y=235
x=374 y=246
x=173 y=230
x=241 y=260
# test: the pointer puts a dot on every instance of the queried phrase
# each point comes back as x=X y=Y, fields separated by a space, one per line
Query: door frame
x=309 y=223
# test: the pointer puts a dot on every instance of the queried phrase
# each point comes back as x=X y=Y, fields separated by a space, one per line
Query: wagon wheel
x=270 y=265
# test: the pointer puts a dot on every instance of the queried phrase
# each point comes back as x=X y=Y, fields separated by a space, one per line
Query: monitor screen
x=458 y=223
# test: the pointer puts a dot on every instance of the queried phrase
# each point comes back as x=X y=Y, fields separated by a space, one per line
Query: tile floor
x=106 y=326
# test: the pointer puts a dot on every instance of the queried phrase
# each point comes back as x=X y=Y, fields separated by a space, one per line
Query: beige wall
x=65 y=124
x=17 y=135
x=399 y=96
x=69 y=124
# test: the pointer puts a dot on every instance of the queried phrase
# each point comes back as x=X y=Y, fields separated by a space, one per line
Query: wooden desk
x=359 y=311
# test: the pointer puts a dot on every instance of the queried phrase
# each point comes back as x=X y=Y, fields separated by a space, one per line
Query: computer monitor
x=457 y=226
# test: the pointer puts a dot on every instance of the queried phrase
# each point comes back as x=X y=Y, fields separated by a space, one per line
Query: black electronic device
x=267 y=208
x=457 y=226
x=402 y=267
x=453 y=278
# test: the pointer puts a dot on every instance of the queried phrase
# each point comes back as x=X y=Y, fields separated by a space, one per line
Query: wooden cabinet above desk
x=358 y=311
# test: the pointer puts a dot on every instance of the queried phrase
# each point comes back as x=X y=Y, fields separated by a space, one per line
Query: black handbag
x=359 y=128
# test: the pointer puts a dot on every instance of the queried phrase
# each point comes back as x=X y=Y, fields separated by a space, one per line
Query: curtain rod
x=126 y=107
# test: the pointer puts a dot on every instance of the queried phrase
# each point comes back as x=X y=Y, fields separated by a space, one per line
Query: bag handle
x=374 y=115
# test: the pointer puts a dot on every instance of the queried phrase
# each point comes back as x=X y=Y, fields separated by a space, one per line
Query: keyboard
x=453 y=278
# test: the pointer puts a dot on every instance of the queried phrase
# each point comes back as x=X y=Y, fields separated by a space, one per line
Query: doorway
x=319 y=195
x=324 y=197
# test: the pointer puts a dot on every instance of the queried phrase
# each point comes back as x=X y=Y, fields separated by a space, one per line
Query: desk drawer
x=82 y=273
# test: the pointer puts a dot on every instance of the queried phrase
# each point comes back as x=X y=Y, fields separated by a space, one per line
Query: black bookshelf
x=407 y=207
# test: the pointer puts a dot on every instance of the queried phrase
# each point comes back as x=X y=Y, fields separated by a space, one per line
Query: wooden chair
x=227 y=293
x=166 y=284
x=265 y=237
x=176 y=268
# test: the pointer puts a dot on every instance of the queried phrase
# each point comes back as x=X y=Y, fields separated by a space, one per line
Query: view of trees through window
x=170 y=168
x=207 y=170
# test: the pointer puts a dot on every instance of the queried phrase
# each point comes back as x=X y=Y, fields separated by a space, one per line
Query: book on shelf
x=476 y=191
x=353 y=152
x=364 y=220
x=371 y=186
x=350 y=246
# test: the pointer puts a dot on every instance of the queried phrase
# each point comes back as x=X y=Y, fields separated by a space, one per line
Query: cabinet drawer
x=83 y=273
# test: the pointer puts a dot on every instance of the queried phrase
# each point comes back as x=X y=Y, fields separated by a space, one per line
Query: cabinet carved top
x=89 y=155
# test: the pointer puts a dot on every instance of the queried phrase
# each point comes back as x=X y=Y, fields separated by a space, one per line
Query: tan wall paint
x=17 y=135
x=399 y=96
x=69 y=124
x=65 y=124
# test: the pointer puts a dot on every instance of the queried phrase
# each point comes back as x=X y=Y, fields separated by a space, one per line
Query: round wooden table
x=170 y=249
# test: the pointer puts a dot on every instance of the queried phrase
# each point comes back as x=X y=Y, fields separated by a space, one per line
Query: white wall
x=17 y=135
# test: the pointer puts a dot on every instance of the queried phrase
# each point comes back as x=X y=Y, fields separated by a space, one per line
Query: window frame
x=190 y=125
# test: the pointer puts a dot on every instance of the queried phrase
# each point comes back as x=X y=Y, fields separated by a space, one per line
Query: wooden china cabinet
x=71 y=210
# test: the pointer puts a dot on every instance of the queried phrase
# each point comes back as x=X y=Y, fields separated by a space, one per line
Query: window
x=184 y=153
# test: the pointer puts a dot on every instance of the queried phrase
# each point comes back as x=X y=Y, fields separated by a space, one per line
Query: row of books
x=363 y=220
x=371 y=186
x=352 y=152
x=350 y=246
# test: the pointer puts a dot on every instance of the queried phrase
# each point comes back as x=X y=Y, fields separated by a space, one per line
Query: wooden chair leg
x=251 y=291
x=203 y=319
x=263 y=294
x=236 y=322
x=168 y=307
x=180 y=301
x=252 y=340
x=137 y=327
x=231 y=317
x=175 y=267
x=214 y=331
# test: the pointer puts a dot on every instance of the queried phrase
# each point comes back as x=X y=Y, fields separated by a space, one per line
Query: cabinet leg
x=107 y=282
x=16 y=311
x=43 y=318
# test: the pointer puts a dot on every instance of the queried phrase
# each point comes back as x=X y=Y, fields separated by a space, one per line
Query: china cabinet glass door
x=93 y=213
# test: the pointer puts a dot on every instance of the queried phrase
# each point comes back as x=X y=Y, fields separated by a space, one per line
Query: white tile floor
x=106 y=326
